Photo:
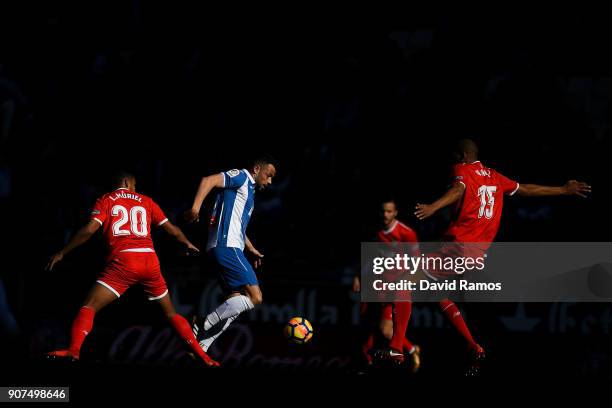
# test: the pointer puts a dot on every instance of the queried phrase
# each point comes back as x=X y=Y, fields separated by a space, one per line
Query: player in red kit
x=126 y=218
x=394 y=317
x=478 y=192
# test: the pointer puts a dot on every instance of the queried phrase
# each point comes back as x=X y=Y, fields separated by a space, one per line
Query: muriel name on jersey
x=123 y=194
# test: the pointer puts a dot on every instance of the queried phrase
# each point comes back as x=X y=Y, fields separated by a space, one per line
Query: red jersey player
x=126 y=218
x=394 y=316
x=478 y=192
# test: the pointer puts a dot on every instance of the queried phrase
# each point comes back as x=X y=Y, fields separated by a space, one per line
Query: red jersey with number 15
x=483 y=199
x=126 y=218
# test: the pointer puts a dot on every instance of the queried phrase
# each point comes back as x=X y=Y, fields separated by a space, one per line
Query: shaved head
x=466 y=150
x=124 y=179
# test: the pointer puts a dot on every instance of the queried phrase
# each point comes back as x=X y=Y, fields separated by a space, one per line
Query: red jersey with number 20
x=126 y=218
x=483 y=199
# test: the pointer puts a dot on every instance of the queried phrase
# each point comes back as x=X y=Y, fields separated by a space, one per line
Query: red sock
x=81 y=326
x=452 y=313
x=400 y=324
x=367 y=346
x=407 y=345
x=183 y=328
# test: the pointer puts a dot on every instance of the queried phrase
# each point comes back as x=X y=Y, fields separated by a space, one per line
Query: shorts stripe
x=245 y=268
x=138 y=250
x=109 y=287
x=160 y=296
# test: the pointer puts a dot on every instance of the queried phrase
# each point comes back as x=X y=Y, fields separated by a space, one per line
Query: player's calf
x=386 y=329
x=254 y=294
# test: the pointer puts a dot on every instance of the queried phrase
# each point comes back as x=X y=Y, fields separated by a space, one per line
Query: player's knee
x=256 y=298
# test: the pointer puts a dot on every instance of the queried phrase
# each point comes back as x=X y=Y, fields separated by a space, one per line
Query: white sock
x=230 y=308
x=207 y=342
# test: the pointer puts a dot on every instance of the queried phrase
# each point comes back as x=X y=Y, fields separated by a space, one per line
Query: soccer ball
x=298 y=330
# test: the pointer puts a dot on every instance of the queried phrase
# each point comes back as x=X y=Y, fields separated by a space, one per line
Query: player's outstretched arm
x=176 y=233
x=206 y=185
x=453 y=195
x=572 y=187
x=79 y=238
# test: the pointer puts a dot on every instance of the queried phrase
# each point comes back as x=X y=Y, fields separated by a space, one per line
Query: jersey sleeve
x=158 y=218
x=99 y=212
x=233 y=179
x=408 y=235
x=508 y=186
x=459 y=175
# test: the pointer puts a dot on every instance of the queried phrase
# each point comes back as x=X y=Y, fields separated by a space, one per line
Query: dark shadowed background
x=355 y=109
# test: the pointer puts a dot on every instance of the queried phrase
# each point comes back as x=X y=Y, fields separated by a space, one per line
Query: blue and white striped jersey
x=232 y=210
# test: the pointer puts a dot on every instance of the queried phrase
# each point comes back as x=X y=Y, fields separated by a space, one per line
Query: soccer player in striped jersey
x=227 y=241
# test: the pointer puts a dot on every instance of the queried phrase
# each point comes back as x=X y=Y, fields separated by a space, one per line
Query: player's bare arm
x=176 y=233
x=453 y=195
x=206 y=185
x=78 y=239
x=249 y=246
x=572 y=187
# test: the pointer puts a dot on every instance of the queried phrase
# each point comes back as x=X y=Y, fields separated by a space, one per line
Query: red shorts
x=129 y=268
x=452 y=250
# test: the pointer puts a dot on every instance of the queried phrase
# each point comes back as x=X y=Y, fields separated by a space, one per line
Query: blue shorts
x=235 y=271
